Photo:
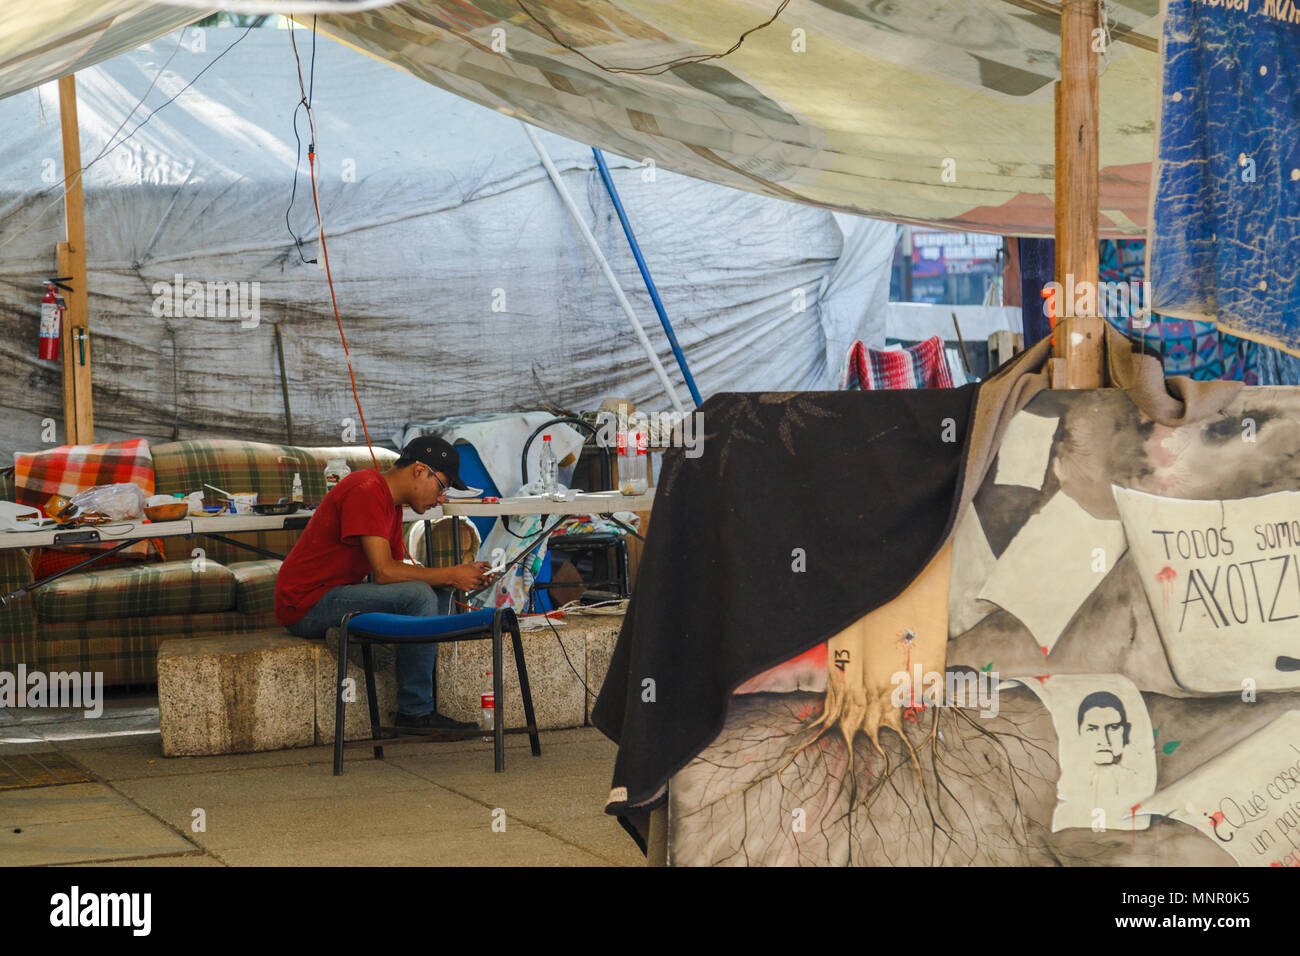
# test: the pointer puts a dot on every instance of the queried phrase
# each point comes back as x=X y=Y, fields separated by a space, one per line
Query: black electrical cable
x=110 y=148
x=581 y=679
x=655 y=69
x=297 y=156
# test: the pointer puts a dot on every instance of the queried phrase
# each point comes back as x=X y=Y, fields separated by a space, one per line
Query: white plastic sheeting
x=462 y=285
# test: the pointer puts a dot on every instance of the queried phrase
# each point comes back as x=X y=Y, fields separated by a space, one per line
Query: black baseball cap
x=438 y=455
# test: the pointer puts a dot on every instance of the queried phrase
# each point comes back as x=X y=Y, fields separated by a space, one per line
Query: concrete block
x=236 y=693
x=356 y=715
x=559 y=697
x=601 y=639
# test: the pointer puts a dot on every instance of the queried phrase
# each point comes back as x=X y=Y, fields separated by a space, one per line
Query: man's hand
x=468 y=577
x=389 y=570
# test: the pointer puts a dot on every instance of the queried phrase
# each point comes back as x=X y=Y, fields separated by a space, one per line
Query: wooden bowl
x=167 y=512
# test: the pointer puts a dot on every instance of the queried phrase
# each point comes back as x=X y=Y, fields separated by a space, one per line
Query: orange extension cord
x=329 y=278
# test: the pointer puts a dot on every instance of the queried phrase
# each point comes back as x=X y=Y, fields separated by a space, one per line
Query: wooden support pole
x=1081 y=343
x=78 y=419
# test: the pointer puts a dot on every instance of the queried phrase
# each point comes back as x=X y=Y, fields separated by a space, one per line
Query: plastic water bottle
x=336 y=469
x=633 y=473
x=487 y=714
x=297 y=487
x=550 y=467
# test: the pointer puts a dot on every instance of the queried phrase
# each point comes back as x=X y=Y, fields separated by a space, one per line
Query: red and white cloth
x=70 y=469
x=923 y=365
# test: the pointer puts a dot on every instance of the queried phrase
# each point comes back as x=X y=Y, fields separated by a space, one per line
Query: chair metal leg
x=340 y=725
x=525 y=690
x=498 y=701
x=372 y=698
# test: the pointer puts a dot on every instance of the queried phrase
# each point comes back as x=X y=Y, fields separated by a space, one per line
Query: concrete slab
x=60 y=804
x=268 y=786
x=144 y=759
x=114 y=738
x=188 y=859
x=232 y=823
x=98 y=729
x=517 y=846
x=563 y=783
x=601 y=836
x=236 y=693
x=428 y=804
x=17 y=739
x=133 y=833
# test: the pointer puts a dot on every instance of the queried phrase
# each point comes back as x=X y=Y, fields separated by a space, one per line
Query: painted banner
x=1223 y=582
x=1226 y=226
x=1247 y=799
x=1106 y=750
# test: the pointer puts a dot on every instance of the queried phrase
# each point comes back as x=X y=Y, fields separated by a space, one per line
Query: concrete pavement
x=426 y=804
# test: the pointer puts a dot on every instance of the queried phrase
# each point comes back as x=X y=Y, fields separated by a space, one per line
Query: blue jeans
x=415 y=662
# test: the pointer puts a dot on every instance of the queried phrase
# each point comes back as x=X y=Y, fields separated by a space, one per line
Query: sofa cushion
x=175 y=587
x=17 y=619
x=255 y=585
x=247 y=466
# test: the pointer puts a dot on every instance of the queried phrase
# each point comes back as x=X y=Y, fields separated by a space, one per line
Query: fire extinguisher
x=52 y=308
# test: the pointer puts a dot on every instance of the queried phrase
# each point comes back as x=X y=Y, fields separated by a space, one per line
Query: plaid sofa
x=112 y=620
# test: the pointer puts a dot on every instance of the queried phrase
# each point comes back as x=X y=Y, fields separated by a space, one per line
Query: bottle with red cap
x=550 y=467
x=487 y=706
x=633 y=470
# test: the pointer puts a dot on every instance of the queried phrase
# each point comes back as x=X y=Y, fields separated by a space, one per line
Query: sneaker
x=431 y=721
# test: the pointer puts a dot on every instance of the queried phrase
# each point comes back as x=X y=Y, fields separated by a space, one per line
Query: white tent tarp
x=933 y=111
x=462 y=285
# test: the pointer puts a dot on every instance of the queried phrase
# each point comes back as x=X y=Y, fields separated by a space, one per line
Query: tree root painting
x=1054 y=578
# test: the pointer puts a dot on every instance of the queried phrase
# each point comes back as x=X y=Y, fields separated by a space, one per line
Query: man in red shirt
x=356 y=531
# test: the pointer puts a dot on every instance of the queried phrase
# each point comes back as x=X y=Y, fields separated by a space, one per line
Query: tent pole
x=78 y=417
x=576 y=216
x=645 y=275
x=1081 y=343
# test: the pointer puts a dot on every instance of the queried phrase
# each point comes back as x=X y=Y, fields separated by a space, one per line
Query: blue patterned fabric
x=1198 y=350
x=1226 y=229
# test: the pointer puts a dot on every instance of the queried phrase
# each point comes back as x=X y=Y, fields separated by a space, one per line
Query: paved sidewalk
x=426 y=804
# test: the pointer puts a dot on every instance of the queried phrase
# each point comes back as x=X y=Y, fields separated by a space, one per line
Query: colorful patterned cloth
x=923 y=365
x=1198 y=350
x=69 y=469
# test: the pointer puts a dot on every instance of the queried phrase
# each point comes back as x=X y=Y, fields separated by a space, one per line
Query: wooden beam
x=1081 y=341
x=1118 y=32
x=78 y=417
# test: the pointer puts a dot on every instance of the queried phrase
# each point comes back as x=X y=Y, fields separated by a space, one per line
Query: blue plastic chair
x=366 y=628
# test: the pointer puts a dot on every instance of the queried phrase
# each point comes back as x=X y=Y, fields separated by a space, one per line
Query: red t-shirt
x=329 y=553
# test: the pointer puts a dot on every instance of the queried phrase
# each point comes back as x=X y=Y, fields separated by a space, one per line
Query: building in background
x=946 y=268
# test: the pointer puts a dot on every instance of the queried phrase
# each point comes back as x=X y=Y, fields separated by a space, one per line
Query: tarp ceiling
x=462 y=282
x=938 y=112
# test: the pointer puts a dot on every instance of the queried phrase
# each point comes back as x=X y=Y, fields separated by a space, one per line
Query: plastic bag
x=118 y=502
